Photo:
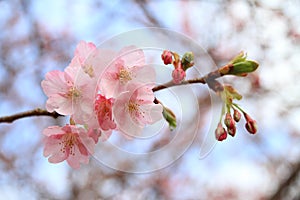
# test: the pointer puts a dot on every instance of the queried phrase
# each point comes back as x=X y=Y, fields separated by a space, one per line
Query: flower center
x=133 y=107
x=68 y=142
x=74 y=93
x=88 y=69
x=124 y=76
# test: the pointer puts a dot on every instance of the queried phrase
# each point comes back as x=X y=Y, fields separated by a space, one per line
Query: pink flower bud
x=231 y=131
x=178 y=75
x=166 y=56
x=228 y=121
x=236 y=115
x=230 y=124
x=251 y=124
x=220 y=133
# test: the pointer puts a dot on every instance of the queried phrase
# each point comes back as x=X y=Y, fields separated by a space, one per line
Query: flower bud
x=251 y=124
x=178 y=75
x=220 y=133
x=187 y=60
x=230 y=124
x=236 y=115
x=231 y=131
x=228 y=121
x=167 y=57
x=169 y=117
x=239 y=66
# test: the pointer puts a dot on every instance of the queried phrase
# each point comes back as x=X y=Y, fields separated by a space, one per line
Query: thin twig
x=209 y=79
x=30 y=113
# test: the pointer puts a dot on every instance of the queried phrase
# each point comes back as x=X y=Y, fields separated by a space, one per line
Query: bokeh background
x=39 y=36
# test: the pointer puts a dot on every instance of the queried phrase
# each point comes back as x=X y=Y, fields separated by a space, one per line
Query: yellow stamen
x=124 y=76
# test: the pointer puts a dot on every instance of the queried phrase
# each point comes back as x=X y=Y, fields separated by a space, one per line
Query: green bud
x=246 y=66
x=187 y=60
x=239 y=66
x=170 y=117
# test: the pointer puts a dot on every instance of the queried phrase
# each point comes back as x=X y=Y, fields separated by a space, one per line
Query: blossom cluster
x=102 y=91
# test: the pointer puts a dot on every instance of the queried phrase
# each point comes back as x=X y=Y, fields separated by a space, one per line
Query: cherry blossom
x=134 y=109
x=128 y=67
x=58 y=86
x=103 y=109
x=70 y=143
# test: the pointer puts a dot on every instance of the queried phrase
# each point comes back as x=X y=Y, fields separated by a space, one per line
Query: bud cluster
x=230 y=120
x=180 y=65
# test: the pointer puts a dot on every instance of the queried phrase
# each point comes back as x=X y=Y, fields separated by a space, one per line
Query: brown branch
x=209 y=79
x=30 y=113
x=285 y=184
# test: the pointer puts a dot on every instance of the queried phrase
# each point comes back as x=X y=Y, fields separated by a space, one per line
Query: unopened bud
x=166 y=56
x=230 y=124
x=236 y=115
x=169 y=117
x=228 y=121
x=220 y=133
x=239 y=66
x=251 y=124
x=178 y=75
x=231 y=131
x=187 y=60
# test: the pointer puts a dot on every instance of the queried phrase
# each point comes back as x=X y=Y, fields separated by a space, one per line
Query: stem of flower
x=236 y=106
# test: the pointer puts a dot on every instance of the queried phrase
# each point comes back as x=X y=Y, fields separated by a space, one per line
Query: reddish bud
x=231 y=131
x=236 y=115
x=251 y=124
x=220 y=133
x=178 y=75
x=166 y=56
x=228 y=121
x=230 y=124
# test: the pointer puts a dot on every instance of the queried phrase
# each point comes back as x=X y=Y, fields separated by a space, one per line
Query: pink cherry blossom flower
x=134 y=109
x=103 y=109
x=86 y=69
x=128 y=67
x=90 y=59
x=66 y=97
x=70 y=143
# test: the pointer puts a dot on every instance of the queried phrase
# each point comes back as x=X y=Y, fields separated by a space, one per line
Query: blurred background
x=39 y=36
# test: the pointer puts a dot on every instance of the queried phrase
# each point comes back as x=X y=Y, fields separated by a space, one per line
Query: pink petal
x=52 y=130
x=132 y=56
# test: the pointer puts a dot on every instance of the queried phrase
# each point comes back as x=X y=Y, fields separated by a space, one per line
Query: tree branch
x=209 y=79
x=30 y=113
x=285 y=184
